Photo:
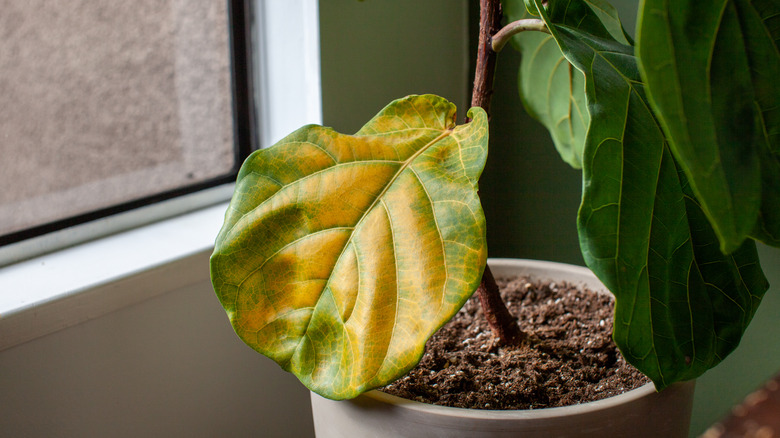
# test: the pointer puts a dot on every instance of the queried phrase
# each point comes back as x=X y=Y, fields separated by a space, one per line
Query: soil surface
x=568 y=359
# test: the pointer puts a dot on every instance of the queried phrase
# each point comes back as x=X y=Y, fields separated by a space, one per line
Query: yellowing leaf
x=341 y=255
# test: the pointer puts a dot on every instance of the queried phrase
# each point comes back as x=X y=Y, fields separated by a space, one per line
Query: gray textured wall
x=106 y=102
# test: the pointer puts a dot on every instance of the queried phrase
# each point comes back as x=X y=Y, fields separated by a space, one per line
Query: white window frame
x=47 y=293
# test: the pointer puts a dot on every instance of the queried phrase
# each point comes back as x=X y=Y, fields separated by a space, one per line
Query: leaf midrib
x=406 y=163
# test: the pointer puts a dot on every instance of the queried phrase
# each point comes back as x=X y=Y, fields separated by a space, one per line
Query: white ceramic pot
x=639 y=413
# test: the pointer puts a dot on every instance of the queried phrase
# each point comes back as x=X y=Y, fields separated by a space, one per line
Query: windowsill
x=67 y=287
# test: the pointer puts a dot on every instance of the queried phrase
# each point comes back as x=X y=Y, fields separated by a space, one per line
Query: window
x=49 y=292
x=109 y=106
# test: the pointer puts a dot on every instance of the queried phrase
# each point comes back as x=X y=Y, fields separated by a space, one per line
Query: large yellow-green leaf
x=342 y=254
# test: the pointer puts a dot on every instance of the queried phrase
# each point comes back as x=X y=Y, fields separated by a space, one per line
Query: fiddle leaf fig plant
x=642 y=231
x=342 y=254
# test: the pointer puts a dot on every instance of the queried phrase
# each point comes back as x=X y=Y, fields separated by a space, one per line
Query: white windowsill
x=59 y=290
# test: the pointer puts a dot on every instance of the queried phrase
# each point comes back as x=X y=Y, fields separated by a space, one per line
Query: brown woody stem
x=489 y=24
x=502 y=323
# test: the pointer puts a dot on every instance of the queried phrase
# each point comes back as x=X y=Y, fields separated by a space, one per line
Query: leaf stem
x=502 y=323
x=506 y=33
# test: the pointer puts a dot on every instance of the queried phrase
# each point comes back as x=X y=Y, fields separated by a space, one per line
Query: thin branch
x=503 y=36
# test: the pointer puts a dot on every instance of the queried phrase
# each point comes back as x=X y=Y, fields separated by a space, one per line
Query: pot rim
x=579 y=409
x=647 y=390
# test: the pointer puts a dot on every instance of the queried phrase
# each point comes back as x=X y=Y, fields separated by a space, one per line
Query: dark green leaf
x=711 y=69
x=596 y=17
x=681 y=304
x=761 y=25
x=552 y=90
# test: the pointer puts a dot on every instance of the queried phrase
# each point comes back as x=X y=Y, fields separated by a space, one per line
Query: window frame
x=70 y=284
x=50 y=236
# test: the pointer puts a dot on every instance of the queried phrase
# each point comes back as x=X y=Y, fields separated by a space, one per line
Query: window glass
x=107 y=102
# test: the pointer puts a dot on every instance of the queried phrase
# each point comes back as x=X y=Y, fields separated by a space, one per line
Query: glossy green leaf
x=596 y=17
x=681 y=305
x=341 y=254
x=762 y=33
x=552 y=90
x=711 y=69
x=608 y=16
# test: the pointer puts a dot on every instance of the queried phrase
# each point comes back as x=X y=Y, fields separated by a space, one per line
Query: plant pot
x=642 y=412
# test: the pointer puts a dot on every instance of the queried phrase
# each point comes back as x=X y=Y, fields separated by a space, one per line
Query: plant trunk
x=502 y=323
x=489 y=24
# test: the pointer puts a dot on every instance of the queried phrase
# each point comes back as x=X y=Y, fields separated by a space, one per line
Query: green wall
x=756 y=359
x=379 y=50
x=529 y=194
